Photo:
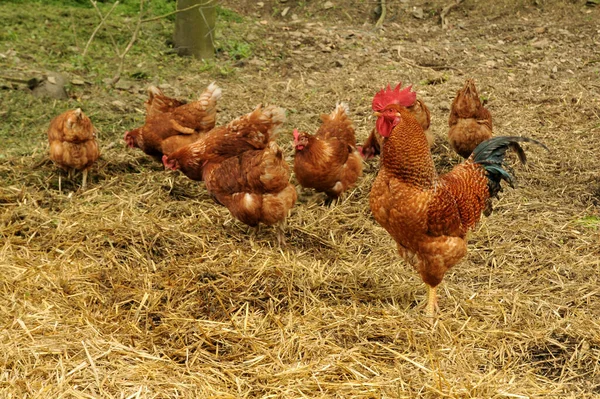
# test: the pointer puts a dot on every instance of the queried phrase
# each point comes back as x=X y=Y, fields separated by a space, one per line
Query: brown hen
x=243 y=168
x=73 y=145
x=171 y=124
x=470 y=122
x=328 y=161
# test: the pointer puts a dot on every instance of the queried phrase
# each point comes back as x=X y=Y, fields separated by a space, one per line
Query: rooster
x=73 y=145
x=429 y=215
x=470 y=122
x=328 y=161
x=243 y=168
x=372 y=145
x=171 y=124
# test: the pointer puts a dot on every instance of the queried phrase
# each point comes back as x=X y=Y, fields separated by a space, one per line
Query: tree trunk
x=194 y=29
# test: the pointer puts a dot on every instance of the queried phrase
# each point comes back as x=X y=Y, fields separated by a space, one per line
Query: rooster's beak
x=377 y=114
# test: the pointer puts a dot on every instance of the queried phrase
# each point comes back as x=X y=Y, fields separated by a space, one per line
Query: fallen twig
x=446 y=11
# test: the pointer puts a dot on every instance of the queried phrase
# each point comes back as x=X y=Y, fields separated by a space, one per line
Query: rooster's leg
x=84 y=182
x=60 y=182
x=432 y=305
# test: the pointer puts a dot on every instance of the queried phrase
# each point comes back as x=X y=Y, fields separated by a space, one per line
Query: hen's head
x=131 y=138
x=300 y=140
x=366 y=152
x=386 y=104
x=77 y=124
x=172 y=164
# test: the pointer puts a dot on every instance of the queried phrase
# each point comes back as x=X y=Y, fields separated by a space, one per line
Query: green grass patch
x=591 y=221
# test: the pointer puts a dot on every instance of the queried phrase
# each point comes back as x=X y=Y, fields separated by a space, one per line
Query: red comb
x=296 y=134
x=387 y=96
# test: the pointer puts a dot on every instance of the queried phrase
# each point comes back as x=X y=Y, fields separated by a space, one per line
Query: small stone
x=541 y=29
x=418 y=13
x=541 y=43
x=490 y=63
x=327 y=5
x=120 y=105
x=77 y=82
x=285 y=11
x=444 y=106
x=123 y=84
x=260 y=4
x=52 y=86
x=257 y=62
x=555 y=69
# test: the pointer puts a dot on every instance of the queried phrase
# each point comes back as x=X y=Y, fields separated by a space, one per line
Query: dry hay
x=143 y=287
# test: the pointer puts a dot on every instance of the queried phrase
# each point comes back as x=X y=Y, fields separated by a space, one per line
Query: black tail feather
x=490 y=154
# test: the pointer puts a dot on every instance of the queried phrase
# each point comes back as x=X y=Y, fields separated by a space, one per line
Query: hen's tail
x=490 y=154
x=341 y=111
x=338 y=124
x=210 y=96
x=262 y=121
x=208 y=102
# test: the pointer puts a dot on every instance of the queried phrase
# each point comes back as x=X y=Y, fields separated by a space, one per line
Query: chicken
x=372 y=145
x=243 y=168
x=73 y=145
x=470 y=123
x=170 y=124
x=254 y=186
x=429 y=215
x=252 y=131
x=328 y=161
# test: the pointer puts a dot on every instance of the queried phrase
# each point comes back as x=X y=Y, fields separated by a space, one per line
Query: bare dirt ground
x=142 y=287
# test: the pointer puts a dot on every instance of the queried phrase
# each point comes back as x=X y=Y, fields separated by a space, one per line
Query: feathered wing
x=252 y=131
x=199 y=115
x=470 y=185
x=158 y=103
